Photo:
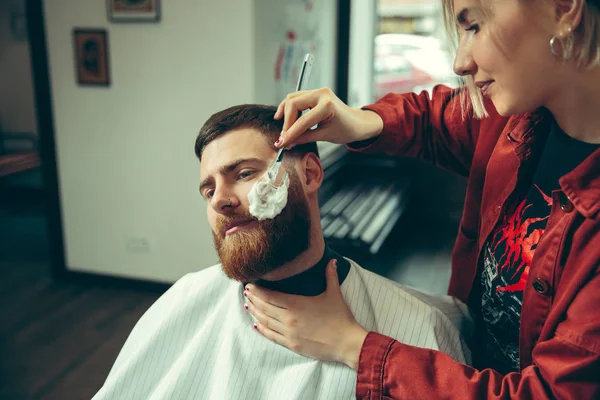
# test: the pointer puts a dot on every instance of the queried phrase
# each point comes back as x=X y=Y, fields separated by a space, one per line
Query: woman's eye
x=473 y=28
x=209 y=193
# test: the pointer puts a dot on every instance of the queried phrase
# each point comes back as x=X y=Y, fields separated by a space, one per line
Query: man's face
x=248 y=248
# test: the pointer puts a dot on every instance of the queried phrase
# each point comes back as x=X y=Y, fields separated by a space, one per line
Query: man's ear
x=312 y=172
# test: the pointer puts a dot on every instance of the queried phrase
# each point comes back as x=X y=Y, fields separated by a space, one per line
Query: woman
x=527 y=258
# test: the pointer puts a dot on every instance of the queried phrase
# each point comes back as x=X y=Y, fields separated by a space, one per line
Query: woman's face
x=505 y=47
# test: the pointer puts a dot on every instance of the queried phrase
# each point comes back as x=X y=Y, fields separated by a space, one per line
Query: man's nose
x=464 y=64
x=224 y=201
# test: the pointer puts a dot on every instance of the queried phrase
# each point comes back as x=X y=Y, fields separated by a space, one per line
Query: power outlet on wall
x=137 y=244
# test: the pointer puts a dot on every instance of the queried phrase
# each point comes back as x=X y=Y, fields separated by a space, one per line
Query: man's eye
x=209 y=193
x=245 y=174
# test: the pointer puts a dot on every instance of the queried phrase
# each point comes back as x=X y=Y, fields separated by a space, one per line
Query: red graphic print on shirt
x=519 y=244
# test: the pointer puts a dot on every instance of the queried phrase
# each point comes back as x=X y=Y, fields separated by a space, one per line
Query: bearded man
x=198 y=340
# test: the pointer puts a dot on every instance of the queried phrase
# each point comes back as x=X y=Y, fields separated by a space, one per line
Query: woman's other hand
x=320 y=327
x=337 y=122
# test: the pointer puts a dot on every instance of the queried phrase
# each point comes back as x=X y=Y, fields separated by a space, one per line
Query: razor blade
x=303 y=79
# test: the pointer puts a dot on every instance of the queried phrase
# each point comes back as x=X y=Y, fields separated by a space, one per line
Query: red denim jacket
x=560 y=319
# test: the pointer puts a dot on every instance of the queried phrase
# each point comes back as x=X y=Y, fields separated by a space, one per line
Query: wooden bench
x=21 y=155
x=19 y=162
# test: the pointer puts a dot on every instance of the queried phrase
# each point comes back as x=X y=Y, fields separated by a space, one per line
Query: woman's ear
x=312 y=172
x=569 y=13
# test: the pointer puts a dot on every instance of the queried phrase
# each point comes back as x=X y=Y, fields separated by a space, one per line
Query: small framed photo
x=91 y=56
x=133 y=10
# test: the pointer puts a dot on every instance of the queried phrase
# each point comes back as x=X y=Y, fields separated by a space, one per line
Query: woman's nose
x=464 y=64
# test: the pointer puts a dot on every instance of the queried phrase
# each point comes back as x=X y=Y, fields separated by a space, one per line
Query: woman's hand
x=337 y=122
x=320 y=327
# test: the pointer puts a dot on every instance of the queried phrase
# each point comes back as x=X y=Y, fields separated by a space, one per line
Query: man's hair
x=253 y=116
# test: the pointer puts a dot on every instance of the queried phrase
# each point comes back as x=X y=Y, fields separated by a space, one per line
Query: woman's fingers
x=279 y=112
x=264 y=307
x=281 y=107
x=271 y=297
x=320 y=107
x=265 y=320
x=295 y=134
x=308 y=137
x=272 y=335
x=309 y=325
x=294 y=105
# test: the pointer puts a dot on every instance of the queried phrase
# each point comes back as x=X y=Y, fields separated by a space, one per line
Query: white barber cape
x=198 y=342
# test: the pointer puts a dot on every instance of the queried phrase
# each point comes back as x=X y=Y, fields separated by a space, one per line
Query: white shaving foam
x=266 y=199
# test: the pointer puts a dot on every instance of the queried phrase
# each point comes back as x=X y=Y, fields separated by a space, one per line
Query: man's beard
x=256 y=250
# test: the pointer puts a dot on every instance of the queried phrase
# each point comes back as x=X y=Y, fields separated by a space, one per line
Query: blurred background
x=100 y=103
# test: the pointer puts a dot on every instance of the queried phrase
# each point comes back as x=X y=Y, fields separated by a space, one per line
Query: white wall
x=125 y=155
x=273 y=18
x=17 y=110
x=267 y=38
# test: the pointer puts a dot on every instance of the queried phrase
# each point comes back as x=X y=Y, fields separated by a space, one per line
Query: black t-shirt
x=508 y=252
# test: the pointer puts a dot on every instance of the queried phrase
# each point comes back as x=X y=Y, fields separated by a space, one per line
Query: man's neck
x=312 y=281
x=304 y=261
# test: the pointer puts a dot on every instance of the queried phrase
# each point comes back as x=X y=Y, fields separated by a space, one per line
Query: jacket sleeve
x=565 y=367
x=422 y=127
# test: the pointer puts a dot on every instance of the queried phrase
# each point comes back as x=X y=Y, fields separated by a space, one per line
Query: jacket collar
x=521 y=127
x=582 y=185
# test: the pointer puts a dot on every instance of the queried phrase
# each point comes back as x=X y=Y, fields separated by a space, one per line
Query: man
x=198 y=342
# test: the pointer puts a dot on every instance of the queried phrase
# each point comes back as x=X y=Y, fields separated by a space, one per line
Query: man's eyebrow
x=225 y=169
x=461 y=17
x=233 y=165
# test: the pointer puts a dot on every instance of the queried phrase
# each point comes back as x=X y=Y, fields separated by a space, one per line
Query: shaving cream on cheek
x=266 y=199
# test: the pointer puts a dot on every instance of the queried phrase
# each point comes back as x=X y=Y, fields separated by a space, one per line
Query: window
x=410 y=52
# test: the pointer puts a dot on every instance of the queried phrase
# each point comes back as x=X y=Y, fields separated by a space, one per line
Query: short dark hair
x=255 y=116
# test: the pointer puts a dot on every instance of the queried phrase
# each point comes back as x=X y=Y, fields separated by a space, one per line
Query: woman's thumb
x=332 y=276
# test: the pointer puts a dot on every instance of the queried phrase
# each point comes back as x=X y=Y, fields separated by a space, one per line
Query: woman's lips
x=485 y=87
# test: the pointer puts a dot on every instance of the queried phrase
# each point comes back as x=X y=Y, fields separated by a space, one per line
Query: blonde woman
x=525 y=130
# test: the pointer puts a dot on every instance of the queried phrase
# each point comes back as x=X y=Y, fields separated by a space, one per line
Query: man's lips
x=235 y=226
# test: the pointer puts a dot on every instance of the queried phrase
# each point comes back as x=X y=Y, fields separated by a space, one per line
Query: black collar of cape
x=311 y=282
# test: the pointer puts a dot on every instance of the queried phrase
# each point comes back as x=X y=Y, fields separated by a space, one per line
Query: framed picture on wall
x=133 y=10
x=91 y=56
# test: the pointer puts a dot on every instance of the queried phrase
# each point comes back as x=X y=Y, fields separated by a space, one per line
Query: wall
x=267 y=38
x=17 y=110
x=273 y=18
x=127 y=170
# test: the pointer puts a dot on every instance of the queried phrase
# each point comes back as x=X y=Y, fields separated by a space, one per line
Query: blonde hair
x=585 y=50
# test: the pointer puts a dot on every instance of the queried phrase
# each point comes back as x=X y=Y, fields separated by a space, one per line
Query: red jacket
x=560 y=319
